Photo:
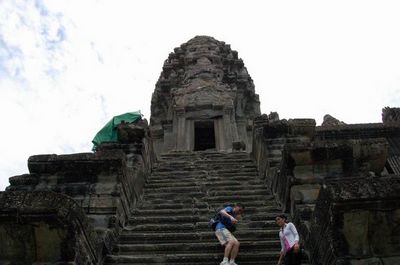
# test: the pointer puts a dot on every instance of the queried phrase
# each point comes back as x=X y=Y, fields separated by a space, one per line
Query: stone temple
x=204 y=99
x=147 y=198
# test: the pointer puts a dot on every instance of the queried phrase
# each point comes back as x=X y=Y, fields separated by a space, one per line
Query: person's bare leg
x=228 y=249
x=235 y=249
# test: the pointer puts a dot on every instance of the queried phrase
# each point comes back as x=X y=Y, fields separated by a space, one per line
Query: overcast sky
x=67 y=67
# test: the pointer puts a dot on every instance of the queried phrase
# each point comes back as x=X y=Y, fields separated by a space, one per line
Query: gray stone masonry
x=337 y=182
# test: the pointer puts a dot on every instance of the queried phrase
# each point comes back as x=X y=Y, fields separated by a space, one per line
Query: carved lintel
x=180 y=111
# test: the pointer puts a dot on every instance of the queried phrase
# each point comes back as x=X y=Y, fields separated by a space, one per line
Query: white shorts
x=224 y=236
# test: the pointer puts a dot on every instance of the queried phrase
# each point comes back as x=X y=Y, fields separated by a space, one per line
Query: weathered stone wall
x=106 y=184
x=300 y=162
x=45 y=228
x=356 y=222
x=270 y=140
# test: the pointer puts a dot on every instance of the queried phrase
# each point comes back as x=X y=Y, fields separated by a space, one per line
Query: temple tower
x=204 y=99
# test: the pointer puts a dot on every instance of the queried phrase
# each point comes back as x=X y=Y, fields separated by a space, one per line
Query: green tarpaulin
x=109 y=133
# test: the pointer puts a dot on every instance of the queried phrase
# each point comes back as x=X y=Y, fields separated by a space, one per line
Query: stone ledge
x=82 y=163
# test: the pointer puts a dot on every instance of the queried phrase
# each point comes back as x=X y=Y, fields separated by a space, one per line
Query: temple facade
x=204 y=100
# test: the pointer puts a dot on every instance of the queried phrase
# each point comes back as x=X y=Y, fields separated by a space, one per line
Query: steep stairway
x=183 y=192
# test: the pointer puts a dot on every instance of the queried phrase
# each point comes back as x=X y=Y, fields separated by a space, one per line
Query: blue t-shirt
x=225 y=220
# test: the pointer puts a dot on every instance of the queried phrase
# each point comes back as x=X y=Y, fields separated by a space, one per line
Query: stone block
x=307 y=193
x=319 y=170
x=102 y=204
x=49 y=242
x=305 y=127
x=334 y=167
x=302 y=157
x=360 y=217
x=390 y=260
x=304 y=174
x=17 y=243
x=355 y=231
x=368 y=261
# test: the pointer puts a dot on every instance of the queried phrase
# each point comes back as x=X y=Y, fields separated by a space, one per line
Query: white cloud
x=67 y=67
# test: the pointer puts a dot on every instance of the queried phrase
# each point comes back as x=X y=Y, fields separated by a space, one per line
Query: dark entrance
x=204 y=135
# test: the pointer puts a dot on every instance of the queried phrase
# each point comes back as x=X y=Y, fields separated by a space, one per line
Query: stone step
x=265 y=256
x=216 y=185
x=275 y=152
x=166 y=220
x=205 y=164
x=275 y=146
x=197 y=193
x=213 y=202
x=194 y=247
x=133 y=237
x=196 y=172
x=211 y=180
x=243 y=192
x=168 y=212
x=196 y=218
x=253 y=212
x=202 y=155
x=204 y=177
x=161 y=189
x=173 y=195
x=243 y=262
x=183 y=224
x=224 y=185
x=249 y=185
x=213 y=205
x=263 y=199
x=211 y=167
x=165 y=184
x=275 y=159
x=273 y=141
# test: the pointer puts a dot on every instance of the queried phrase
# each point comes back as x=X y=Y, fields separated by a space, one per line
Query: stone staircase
x=183 y=192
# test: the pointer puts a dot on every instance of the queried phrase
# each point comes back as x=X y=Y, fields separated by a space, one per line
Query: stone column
x=157 y=136
x=169 y=139
x=189 y=135
x=229 y=133
x=180 y=132
x=242 y=131
x=220 y=141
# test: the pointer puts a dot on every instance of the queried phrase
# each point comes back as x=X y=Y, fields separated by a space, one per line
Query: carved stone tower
x=204 y=99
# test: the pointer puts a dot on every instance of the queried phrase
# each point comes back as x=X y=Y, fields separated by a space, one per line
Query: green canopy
x=109 y=133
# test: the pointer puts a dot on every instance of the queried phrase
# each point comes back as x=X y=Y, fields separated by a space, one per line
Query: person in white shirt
x=290 y=251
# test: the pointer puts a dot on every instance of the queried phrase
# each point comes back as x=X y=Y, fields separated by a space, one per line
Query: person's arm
x=296 y=245
x=223 y=212
x=282 y=255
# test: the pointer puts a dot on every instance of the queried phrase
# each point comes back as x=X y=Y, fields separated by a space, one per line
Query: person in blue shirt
x=229 y=217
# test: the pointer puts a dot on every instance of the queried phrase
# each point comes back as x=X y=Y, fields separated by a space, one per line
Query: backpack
x=217 y=218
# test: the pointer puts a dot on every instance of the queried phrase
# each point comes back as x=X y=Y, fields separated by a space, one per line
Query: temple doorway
x=204 y=135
